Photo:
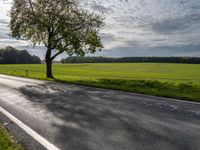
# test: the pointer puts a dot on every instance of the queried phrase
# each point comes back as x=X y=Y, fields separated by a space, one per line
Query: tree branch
x=31 y=5
x=54 y=56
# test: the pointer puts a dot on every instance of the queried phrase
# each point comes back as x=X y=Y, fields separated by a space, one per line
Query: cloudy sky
x=134 y=27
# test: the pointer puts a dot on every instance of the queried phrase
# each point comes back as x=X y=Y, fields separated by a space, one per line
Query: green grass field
x=181 y=81
x=7 y=142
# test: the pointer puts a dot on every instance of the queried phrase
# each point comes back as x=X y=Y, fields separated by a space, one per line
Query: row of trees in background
x=10 y=55
x=189 y=60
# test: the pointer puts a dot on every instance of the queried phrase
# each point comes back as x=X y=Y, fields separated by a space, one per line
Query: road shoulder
x=22 y=137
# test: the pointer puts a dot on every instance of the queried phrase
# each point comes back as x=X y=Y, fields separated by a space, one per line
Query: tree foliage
x=10 y=55
x=58 y=24
x=188 y=60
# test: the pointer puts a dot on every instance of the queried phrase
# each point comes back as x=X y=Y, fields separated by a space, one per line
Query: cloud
x=127 y=51
x=135 y=27
x=101 y=8
x=180 y=24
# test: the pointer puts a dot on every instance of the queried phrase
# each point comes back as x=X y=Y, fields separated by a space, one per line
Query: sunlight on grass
x=180 y=81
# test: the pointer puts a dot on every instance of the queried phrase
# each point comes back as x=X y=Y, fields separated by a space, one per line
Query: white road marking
x=29 y=131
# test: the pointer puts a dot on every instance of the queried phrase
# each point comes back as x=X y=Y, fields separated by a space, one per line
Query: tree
x=10 y=55
x=61 y=25
x=1 y=55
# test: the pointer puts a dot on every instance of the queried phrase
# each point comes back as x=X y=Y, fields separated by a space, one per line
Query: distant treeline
x=10 y=55
x=189 y=60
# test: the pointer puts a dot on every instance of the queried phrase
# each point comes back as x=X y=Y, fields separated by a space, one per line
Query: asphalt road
x=84 y=118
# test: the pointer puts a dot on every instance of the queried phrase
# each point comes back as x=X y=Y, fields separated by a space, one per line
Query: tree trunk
x=49 y=69
x=48 y=58
x=48 y=63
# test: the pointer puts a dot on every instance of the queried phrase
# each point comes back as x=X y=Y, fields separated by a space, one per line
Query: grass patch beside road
x=7 y=142
x=183 y=91
x=181 y=81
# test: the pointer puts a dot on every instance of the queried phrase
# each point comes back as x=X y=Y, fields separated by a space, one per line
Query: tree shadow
x=105 y=120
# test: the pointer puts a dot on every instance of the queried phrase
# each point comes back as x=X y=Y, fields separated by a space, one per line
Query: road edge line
x=29 y=131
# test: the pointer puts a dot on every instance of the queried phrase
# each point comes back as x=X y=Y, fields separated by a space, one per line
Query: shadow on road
x=106 y=120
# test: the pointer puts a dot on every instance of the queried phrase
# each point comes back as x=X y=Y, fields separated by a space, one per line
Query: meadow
x=180 y=81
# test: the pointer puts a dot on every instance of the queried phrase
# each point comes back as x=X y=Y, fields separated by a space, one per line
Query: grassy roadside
x=179 y=81
x=7 y=142
x=184 y=91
